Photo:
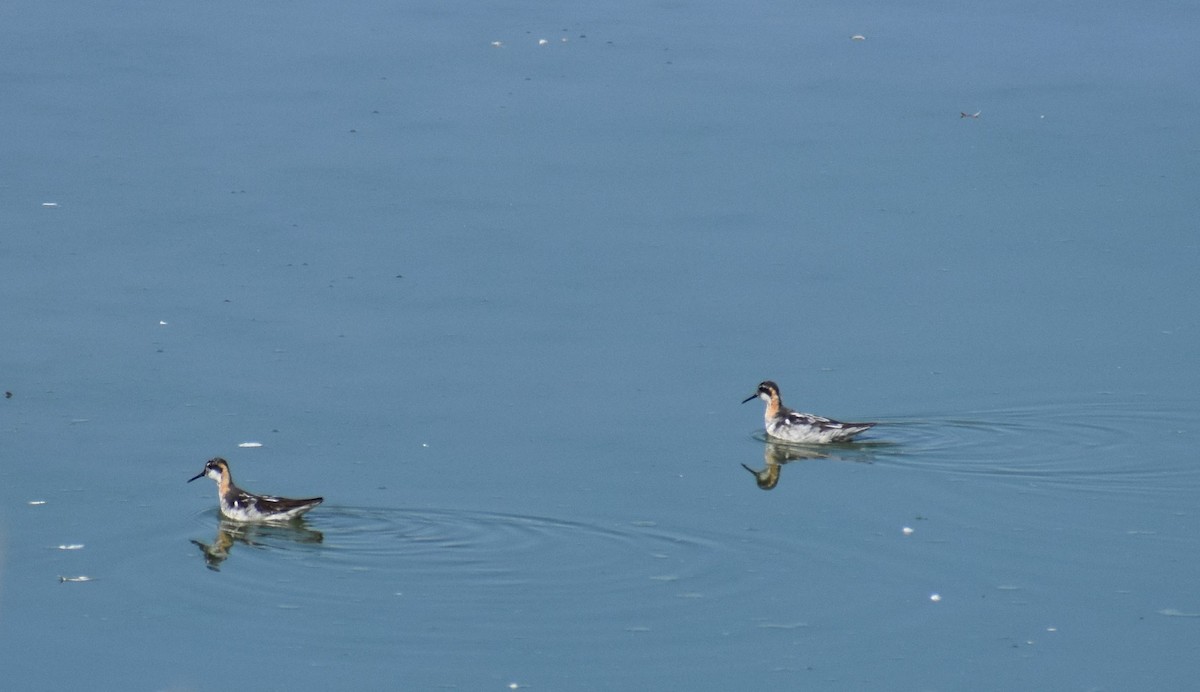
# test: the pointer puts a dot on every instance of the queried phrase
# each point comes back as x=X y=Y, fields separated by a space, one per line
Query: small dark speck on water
x=8 y=395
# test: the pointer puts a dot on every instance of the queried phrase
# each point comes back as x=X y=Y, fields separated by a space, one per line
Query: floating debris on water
x=858 y=37
x=1173 y=613
x=935 y=597
x=37 y=502
x=49 y=204
x=64 y=580
x=71 y=546
x=542 y=41
x=907 y=530
x=250 y=444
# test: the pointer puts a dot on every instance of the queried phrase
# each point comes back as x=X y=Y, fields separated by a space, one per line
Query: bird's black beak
x=198 y=475
x=748 y=468
x=752 y=397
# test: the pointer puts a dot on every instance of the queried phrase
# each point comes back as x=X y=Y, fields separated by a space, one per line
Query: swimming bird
x=785 y=424
x=239 y=505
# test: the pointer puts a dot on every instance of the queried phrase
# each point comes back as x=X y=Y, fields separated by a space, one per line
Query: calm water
x=498 y=304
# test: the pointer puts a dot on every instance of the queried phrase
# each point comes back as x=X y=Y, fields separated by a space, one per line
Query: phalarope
x=239 y=505
x=785 y=424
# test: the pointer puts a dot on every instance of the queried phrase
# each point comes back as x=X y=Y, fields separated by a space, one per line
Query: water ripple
x=1095 y=446
x=494 y=569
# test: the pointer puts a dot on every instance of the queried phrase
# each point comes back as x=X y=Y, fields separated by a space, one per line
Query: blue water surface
x=493 y=280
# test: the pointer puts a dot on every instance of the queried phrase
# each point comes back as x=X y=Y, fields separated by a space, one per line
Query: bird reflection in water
x=255 y=535
x=775 y=455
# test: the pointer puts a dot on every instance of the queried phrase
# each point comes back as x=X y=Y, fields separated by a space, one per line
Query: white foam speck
x=908 y=530
x=935 y=597
x=249 y=445
x=1173 y=613
x=49 y=204
x=35 y=503
x=71 y=546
